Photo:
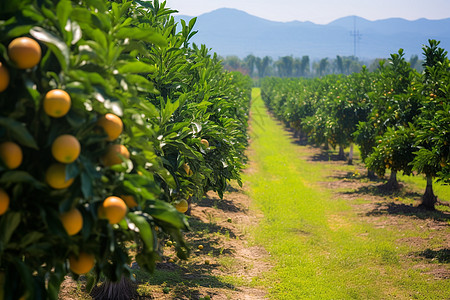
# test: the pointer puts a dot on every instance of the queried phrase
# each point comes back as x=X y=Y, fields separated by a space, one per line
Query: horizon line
x=307 y=21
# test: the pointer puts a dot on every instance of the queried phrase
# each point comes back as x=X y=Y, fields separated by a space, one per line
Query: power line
x=356 y=36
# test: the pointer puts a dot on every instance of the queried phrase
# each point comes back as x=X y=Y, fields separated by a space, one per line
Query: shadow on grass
x=182 y=282
x=199 y=236
x=326 y=155
x=359 y=176
x=222 y=204
x=384 y=190
x=232 y=189
x=441 y=256
x=391 y=208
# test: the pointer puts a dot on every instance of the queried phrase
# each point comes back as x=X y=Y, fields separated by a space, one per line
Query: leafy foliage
x=127 y=59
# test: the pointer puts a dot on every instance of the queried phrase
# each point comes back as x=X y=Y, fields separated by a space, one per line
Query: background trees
x=291 y=66
x=397 y=116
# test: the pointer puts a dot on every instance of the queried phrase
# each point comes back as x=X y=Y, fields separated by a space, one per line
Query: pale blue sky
x=321 y=11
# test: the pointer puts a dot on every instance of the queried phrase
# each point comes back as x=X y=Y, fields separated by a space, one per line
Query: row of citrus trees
x=399 y=118
x=110 y=124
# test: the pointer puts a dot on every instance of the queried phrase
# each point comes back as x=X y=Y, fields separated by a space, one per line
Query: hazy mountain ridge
x=233 y=32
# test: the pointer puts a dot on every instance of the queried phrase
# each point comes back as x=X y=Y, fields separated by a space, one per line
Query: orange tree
x=100 y=54
x=433 y=134
x=198 y=102
x=387 y=137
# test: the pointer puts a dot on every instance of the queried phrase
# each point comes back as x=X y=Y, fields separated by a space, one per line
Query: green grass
x=319 y=247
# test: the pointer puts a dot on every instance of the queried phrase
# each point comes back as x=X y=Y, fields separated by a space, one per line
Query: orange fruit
x=56 y=176
x=66 y=148
x=130 y=201
x=72 y=221
x=4 y=77
x=82 y=263
x=205 y=142
x=113 y=155
x=182 y=206
x=11 y=154
x=4 y=201
x=57 y=103
x=187 y=169
x=113 y=208
x=112 y=125
x=24 y=52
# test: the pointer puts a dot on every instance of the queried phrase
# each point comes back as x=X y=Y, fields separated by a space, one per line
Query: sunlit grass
x=319 y=247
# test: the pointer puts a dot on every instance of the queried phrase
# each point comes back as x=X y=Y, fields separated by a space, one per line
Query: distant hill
x=234 y=32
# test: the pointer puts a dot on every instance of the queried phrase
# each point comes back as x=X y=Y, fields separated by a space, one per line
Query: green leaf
x=20 y=177
x=63 y=11
x=19 y=31
x=54 y=43
x=168 y=108
x=8 y=225
x=86 y=185
x=146 y=35
x=30 y=238
x=144 y=229
x=166 y=212
x=19 y=132
x=91 y=281
x=136 y=67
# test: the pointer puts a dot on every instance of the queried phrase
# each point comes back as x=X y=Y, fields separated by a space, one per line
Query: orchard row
x=398 y=117
x=111 y=123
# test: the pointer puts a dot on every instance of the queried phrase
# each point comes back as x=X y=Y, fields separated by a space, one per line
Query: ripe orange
x=24 y=52
x=187 y=169
x=113 y=155
x=4 y=201
x=129 y=200
x=11 y=154
x=57 y=103
x=82 y=263
x=4 y=77
x=72 y=221
x=182 y=206
x=113 y=208
x=66 y=148
x=205 y=142
x=56 y=176
x=112 y=125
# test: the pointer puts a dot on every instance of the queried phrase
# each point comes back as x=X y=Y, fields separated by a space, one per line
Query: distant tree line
x=290 y=66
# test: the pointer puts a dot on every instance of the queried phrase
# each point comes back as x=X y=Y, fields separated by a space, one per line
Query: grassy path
x=319 y=246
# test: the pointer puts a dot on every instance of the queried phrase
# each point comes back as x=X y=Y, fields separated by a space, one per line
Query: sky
x=321 y=11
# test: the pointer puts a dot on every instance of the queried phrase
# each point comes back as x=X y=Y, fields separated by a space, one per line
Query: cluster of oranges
x=25 y=53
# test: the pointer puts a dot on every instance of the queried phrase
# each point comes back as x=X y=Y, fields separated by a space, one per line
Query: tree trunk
x=350 y=155
x=120 y=290
x=429 y=199
x=371 y=175
x=341 y=152
x=392 y=183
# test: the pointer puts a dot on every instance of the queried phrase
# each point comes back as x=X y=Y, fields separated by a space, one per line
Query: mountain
x=234 y=32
